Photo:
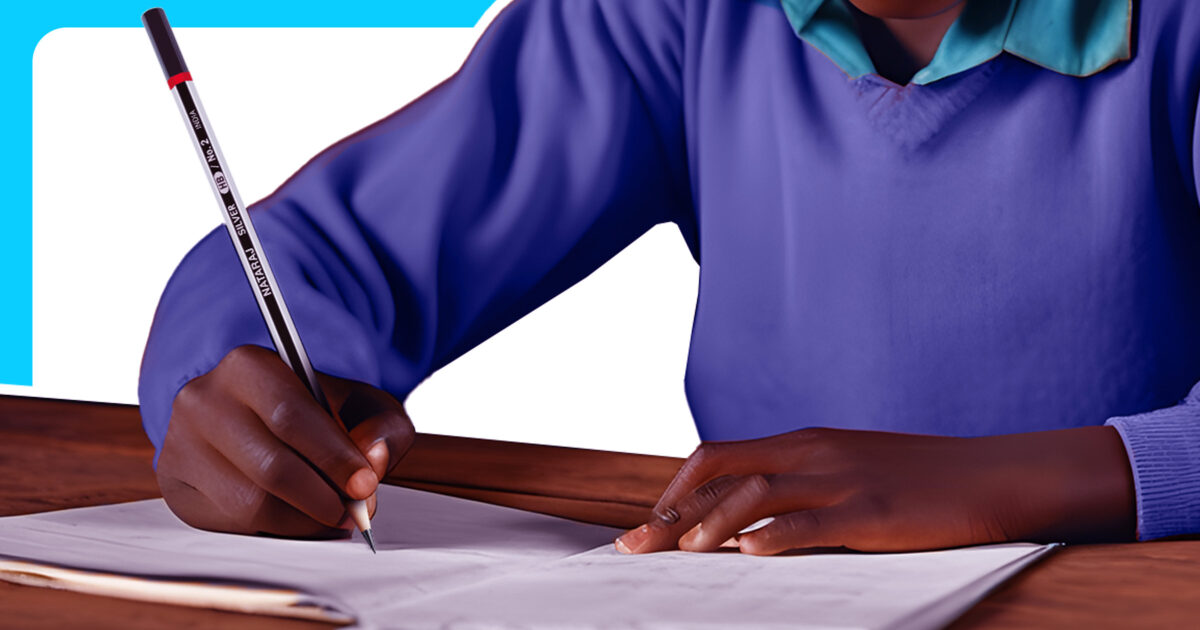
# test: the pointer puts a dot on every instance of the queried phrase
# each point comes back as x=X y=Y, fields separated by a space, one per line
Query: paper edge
x=277 y=602
x=948 y=608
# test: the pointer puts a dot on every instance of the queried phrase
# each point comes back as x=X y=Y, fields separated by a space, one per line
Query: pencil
x=241 y=229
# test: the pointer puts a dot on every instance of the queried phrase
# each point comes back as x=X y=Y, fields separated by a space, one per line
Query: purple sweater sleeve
x=1164 y=449
x=558 y=143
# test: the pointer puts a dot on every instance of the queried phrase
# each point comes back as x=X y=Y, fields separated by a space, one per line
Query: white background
x=119 y=197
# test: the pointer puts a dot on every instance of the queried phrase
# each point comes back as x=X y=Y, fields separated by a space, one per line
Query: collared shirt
x=1074 y=37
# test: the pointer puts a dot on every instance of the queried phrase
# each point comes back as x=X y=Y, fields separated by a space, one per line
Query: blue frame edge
x=27 y=24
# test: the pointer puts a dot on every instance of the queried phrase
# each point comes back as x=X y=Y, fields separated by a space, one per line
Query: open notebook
x=452 y=563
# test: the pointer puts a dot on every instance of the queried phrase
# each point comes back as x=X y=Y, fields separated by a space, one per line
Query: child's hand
x=246 y=440
x=875 y=491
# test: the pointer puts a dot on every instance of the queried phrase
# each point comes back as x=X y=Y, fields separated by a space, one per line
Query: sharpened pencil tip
x=370 y=539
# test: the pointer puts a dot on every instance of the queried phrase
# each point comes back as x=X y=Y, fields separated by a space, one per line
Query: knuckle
x=820 y=443
x=705 y=452
x=235 y=360
x=712 y=490
x=252 y=505
x=706 y=493
x=706 y=458
x=282 y=420
x=813 y=434
x=240 y=357
x=758 y=485
x=272 y=470
x=190 y=398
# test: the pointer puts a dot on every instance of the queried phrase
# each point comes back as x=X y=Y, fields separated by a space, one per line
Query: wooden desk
x=56 y=454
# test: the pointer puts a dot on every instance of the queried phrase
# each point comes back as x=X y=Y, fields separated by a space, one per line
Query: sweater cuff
x=1164 y=453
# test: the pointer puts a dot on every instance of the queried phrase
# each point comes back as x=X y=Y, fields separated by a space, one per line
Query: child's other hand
x=876 y=491
x=246 y=440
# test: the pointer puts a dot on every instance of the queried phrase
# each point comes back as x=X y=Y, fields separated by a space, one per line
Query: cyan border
x=27 y=23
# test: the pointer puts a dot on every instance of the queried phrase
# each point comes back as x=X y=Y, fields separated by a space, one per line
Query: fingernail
x=690 y=537
x=378 y=453
x=757 y=525
x=732 y=543
x=633 y=539
x=667 y=515
x=362 y=483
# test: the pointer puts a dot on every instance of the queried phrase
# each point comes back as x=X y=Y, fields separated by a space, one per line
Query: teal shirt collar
x=1073 y=37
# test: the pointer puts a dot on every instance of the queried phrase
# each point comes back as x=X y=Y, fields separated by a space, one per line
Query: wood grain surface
x=58 y=454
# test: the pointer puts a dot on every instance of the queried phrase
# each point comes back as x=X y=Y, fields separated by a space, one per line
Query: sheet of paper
x=603 y=588
x=453 y=563
x=427 y=543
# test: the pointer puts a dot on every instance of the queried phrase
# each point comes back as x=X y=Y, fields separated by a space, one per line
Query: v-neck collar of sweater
x=1073 y=37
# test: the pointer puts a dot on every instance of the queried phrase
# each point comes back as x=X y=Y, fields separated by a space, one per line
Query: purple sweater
x=1005 y=250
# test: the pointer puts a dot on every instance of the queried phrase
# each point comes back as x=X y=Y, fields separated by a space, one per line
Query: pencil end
x=370 y=540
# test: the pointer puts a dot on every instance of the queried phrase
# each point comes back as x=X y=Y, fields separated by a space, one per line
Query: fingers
x=205 y=490
x=745 y=503
x=371 y=440
x=712 y=459
x=381 y=429
x=828 y=526
x=753 y=498
x=273 y=466
x=658 y=535
x=265 y=385
x=699 y=468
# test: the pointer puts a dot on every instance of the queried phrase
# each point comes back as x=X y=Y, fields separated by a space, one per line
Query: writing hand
x=246 y=441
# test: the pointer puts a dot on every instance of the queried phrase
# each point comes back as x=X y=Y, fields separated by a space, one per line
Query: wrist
x=1077 y=483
